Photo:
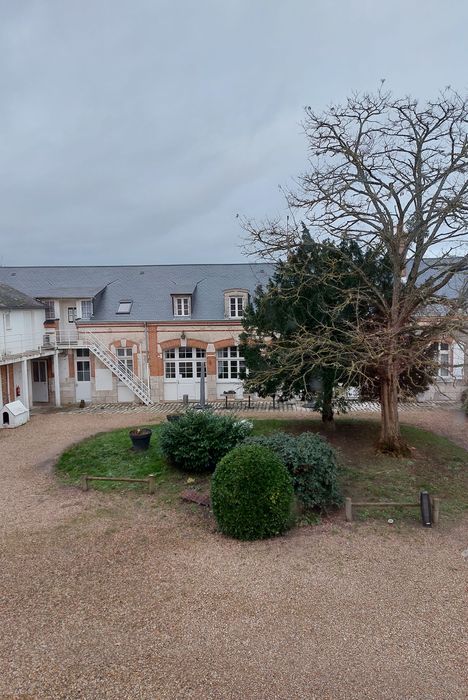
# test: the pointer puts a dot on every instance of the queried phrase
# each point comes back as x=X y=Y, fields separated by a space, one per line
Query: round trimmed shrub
x=252 y=494
x=313 y=466
x=196 y=442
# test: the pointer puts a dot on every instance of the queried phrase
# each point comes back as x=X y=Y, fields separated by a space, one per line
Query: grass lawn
x=437 y=465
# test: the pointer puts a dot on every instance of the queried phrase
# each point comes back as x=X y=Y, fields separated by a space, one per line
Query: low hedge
x=252 y=494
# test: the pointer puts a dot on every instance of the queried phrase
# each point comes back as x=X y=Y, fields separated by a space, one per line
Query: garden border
x=349 y=504
x=150 y=480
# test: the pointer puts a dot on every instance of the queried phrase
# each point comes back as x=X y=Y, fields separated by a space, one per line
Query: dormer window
x=125 y=306
x=236 y=307
x=182 y=306
x=235 y=301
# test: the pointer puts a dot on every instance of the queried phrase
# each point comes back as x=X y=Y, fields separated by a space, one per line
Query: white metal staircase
x=86 y=339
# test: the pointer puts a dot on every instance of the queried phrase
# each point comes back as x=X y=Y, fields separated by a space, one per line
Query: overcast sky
x=134 y=131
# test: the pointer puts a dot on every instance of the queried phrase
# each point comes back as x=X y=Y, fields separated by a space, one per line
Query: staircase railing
x=86 y=339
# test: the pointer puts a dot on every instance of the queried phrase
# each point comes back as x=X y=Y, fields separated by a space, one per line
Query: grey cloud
x=134 y=132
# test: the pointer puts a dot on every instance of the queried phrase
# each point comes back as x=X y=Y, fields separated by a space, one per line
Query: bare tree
x=390 y=174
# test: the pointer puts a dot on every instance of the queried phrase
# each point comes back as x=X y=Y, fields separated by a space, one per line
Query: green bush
x=197 y=441
x=312 y=463
x=252 y=494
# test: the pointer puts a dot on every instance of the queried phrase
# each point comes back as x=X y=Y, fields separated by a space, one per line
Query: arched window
x=183 y=363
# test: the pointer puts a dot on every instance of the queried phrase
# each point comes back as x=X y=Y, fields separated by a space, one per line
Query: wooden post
x=435 y=510
x=151 y=483
x=349 y=510
x=84 y=482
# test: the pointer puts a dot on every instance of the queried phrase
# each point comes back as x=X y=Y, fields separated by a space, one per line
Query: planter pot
x=141 y=439
x=172 y=417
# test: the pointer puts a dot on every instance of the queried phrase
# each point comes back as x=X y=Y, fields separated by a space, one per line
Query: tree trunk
x=391 y=440
x=328 y=383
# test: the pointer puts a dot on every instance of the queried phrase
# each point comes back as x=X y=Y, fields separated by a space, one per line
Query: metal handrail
x=87 y=339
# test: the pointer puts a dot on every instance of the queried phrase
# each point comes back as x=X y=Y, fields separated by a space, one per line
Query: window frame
x=49 y=305
x=83 y=365
x=125 y=359
x=239 y=306
x=89 y=304
x=183 y=363
x=184 y=301
x=125 y=303
x=229 y=364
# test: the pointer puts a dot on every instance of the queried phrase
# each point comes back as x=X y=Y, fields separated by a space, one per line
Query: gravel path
x=111 y=596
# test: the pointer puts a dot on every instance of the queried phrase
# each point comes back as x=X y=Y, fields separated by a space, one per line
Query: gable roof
x=11 y=298
x=149 y=287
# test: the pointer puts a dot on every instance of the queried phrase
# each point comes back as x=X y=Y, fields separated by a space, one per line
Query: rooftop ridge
x=55 y=267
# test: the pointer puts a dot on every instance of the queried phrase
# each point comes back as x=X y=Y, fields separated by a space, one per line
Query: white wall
x=26 y=331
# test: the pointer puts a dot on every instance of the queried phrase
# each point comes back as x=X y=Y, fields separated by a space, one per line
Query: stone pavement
x=237 y=407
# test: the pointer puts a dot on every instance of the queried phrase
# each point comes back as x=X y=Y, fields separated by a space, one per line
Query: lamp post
x=202 y=385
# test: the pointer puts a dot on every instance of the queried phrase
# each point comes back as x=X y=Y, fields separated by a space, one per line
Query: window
x=236 y=307
x=71 y=314
x=39 y=372
x=182 y=306
x=8 y=321
x=181 y=363
x=230 y=363
x=186 y=370
x=125 y=306
x=49 y=309
x=83 y=367
x=83 y=373
x=443 y=356
x=125 y=357
x=86 y=309
x=235 y=302
x=170 y=370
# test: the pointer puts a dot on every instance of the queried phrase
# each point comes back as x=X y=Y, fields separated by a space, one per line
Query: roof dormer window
x=236 y=307
x=235 y=301
x=125 y=306
x=182 y=306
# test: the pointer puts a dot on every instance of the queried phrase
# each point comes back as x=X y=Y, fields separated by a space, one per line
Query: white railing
x=18 y=343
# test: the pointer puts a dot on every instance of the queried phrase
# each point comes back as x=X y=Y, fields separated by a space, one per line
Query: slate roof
x=11 y=298
x=148 y=286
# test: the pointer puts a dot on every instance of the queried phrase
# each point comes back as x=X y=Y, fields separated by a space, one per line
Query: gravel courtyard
x=121 y=596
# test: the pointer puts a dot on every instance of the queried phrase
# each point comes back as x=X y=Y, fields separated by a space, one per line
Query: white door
x=83 y=375
x=40 y=384
x=182 y=372
x=124 y=394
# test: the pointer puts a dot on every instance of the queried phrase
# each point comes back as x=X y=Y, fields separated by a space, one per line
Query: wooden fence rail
x=350 y=504
x=150 y=480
